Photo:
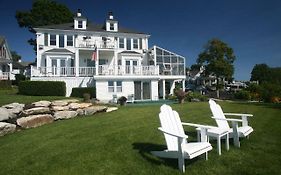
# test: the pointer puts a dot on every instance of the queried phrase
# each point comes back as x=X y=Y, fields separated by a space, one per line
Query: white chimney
x=79 y=13
x=110 y=15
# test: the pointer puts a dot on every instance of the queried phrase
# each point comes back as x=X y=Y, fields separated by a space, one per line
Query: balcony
x=93 y=44
x=103 y=70
x=4 y=75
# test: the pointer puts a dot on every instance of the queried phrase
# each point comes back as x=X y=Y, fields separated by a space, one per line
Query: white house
x=5 y=60
x=115 y=60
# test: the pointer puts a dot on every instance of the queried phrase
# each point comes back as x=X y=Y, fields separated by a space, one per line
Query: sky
x=251 y=27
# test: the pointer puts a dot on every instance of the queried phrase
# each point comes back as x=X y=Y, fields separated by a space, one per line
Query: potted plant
x=122 y=100
x=180 y=95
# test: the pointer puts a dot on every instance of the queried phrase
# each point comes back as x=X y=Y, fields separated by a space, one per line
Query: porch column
x=115 y=63
x=10 y=71
x=77 y=63
x=172 y=87
x=97 y=62
x=183 y=84
x=164 y=91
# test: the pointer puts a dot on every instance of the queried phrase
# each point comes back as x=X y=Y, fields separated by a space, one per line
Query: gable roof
x=92 y=27
x=59 y=51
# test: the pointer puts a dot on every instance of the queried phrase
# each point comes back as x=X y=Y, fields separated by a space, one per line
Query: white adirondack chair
x=236 y=131
x=176 y=140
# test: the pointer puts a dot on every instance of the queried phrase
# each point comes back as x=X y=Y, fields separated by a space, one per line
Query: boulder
x=80 y=112
x=94 y=109
x=84 y=105
x=74 y=106
x=36 y=110
x=110 y=109
x=33 y=121
x=60 y=108
x=65 y=115
x=5 y=114
x=59 y=103
x=13 y=105
x=6 y=128
x=42 y=103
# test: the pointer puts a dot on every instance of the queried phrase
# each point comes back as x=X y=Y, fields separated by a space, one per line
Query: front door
x=131 y=66
x=142 y=90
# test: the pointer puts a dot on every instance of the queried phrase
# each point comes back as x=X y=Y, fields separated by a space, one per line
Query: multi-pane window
x=129 y=44
x=140 y=43
x=69 y=40
x=135 y=44
x=61 y=40
x=80 y=24
x=46 y=39
x=111 y=27
x=110 y=86
x=119 y=86
x=53 y=40
x=121 y=43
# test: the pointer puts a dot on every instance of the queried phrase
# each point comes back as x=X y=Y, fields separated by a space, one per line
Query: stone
x=65 y=115
x=94 y=109
x=36 y=110
x=59 y=103
x=5 y=114
x=34 y=121
x=74 y=106
x=13 y=105
x=84 y=105
x=42 y=103
x=60 y=108
x=6 y=128
x=80 y=112
x=110 y=109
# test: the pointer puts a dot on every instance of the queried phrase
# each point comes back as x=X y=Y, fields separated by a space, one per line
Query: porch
x=4 y=76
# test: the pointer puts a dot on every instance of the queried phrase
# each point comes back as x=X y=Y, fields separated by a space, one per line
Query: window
x=119 y=86
x=121 y=43
x=110 y=86
x=53 y=40
x=69 y=40
x=111 y=26
x=129 y=44
x=91 y=63
x=46 y=39
x=140 y=43
x=103 y=62
x=61 y=40
x=80 y=24
x=135 y=44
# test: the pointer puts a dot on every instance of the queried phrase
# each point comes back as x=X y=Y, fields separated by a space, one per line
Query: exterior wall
x=105 y=96
x=70 y=82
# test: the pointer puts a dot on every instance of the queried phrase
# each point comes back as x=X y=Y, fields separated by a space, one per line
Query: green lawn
x=120 y=143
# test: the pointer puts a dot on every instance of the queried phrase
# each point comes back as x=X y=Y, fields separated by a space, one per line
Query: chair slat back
x=218 y=113
x=170 y=122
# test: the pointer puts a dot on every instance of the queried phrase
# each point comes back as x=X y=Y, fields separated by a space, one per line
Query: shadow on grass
x=145 y=151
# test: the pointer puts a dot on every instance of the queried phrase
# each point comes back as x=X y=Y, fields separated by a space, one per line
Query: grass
x=120 y=143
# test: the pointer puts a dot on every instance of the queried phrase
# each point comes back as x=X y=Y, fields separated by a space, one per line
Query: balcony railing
x=62 y=71
x=93 y=44
x=128 y=70
x=4 y=75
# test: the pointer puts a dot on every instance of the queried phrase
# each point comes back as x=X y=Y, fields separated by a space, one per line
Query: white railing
x=128 y=70
x=62 y=71
x=4 y=75
x=93 y=44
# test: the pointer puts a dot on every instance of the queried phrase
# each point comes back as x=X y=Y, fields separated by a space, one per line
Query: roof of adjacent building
x=90 y=27
x=59 y=51
x=21 y=65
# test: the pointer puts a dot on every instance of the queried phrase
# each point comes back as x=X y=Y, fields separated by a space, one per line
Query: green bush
x=270 y=91
x=242 y=95
x=19 y=78
x=78 y=92
x=195 y=95
x=5 y=84
x=42 y=88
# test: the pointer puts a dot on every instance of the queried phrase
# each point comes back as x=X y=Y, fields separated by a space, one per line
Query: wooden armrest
x=228 y=119
x=236 y=114
x=172 y=134
x=198 y=125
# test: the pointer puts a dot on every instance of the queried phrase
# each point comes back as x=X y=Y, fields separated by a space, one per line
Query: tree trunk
x=218 y=93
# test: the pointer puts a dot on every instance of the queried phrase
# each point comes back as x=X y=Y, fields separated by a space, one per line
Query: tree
x=218 y=59
x=260 y=73
x=43 y=12
x=15 y=56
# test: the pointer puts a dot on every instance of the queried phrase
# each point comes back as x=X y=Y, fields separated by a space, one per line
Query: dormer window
x=80 y=24
x=111 y=26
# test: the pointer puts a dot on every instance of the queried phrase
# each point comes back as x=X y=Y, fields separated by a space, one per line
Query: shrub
x=242 y=95
x=270 y=91
x=195 y=95
x=5 y=84
x=86 y=97
x=180 y=95
x=42 y=88
x=78 y=92
x=122 y=100
x=19 y=78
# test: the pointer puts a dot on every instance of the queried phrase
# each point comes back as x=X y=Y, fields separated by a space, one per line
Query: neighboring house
x=21 y=67
x=5 y=60
x=115 y=60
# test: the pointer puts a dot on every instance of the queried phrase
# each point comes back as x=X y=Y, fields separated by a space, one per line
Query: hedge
x=19 y=78
x=78 y=92
x=5 y=84
x=42 y=88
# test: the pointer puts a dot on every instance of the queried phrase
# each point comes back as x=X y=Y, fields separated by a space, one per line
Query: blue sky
x=251 y=27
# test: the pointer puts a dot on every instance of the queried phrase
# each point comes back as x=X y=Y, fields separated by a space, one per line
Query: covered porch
x=5 y=69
